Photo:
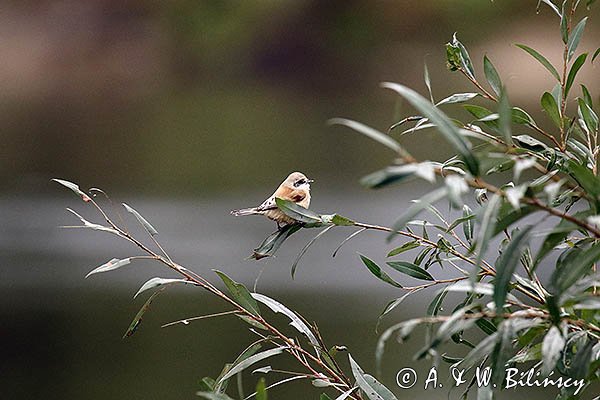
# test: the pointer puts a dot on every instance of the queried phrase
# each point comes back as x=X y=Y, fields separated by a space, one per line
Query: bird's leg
x=278 y=226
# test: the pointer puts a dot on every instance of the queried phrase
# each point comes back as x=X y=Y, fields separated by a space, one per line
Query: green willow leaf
x=297 y=212
x=250 y=361
x=386 y=176
x=378 y=272
x=542 y=60
x=553 y=239
x=448 y=129
x=486 y=230
x=370 y=386
x=587 y=97
x=427 y=80
x=596 y=53
x=389 y=307
x=590 y=118
x=577 y=64
x=507 y=264
x=155 y=282
x=74 y=188
x=530 y=143
x=369 y=132
x=149 y=228
x=436 y=304
x=585 y=177
x=240 y=294
x=491 y=75
x=457 y=98
x=505 y=117
x=411 y=269
x=520 y=116
x=564 y=24
x=261 y=390
x=550 y=4
x=575 y=37
x=552 y=346
x=137 y=320
x=486 y=326
x=295 y=321
x=570 y=271
x=340 y=220
x=110 y=265
x=551 y=107
x=272 y=242
x=405 y=247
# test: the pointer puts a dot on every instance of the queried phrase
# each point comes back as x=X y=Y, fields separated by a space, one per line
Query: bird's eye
x=299 y=182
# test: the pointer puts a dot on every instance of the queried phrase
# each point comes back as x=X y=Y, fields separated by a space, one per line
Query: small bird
x=295 y=188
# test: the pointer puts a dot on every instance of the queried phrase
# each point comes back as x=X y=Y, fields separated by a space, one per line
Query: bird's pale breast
x=278 y=216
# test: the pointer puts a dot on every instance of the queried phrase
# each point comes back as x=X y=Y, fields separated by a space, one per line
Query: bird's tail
x=245 y=211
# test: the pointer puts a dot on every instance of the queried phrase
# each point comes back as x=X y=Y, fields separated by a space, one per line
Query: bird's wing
x=268 y=204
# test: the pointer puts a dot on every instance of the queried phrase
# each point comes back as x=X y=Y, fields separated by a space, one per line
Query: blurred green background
x=186 y=109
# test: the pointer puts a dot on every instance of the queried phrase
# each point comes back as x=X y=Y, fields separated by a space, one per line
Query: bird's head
x=297 y=180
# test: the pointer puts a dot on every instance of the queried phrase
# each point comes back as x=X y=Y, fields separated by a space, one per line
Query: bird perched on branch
x=295 y=188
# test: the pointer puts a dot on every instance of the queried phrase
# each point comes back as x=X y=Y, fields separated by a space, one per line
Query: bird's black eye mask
x=300 y=182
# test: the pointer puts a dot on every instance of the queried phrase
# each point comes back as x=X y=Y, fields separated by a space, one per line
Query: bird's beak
x=310 y=180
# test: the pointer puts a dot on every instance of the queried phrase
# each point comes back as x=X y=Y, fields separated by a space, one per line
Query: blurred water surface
x=62 y=333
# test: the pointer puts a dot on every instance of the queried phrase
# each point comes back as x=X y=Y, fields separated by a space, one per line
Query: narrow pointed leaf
x=110 y=265
x=372 y=388
x=141 y=220
x=491 y=75
x=552 y=346
x=550 y=4
x=240 y=293
x=91 y=225
x=577 y=64
x=272 y=242
x=155 y=282
x=369 y=132
x=296 y=322
x=405 y=247
x=574 y=268
x=542 y=60
x=261 y=390
x=443 y=123
x=342 y=396
x=487 y=228
x=507 y=264
x=596 y=53
x=250 y=361
x=411 y=269
x=427 y=80
x=457 y=98
x=436 y=304
x=137 y=320
x=74 y=188
x=551 y=107
x=297 y=212
x=378 y=272
x=505 y=117
x=587 y=97
x=575 y=37
x=590 y=118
